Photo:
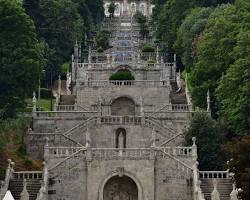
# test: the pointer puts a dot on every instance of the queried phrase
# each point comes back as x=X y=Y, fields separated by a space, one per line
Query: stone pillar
x=34 y=102
x=89 y=55
x=24 y=194
x=153 y=138
x=88 y=138
x=157 y=55
x=88 y=154
x=59 y=86
x=208 y=101
x=46 y=150
x=234 y=194
x=194 y=150
x=215 y=195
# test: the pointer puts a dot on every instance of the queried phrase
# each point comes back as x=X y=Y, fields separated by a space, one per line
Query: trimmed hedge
x=122 y=75
x=148 y=48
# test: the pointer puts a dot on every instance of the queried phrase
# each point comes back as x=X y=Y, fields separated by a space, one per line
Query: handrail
x=62 y=161
x=43 y=192
x=214 y=174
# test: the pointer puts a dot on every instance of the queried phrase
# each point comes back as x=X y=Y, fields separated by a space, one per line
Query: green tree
x=102 y=39
x=96 y=9
x=169 y=14
x=143 y=23
x=215 y=51
x=21 y=57
x=209 y=141
x=239 y=164
x=189 y=33
x=62 y=26
x=233 y=91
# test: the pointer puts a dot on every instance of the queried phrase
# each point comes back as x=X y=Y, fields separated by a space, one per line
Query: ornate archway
x=120 y=188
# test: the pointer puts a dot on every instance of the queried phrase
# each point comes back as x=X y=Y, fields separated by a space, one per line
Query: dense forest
x=210 y=37
x=36 y=41
x=212 y=41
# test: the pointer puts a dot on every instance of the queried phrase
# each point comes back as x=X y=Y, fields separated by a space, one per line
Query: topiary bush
x=148 y=48
x=122 y=75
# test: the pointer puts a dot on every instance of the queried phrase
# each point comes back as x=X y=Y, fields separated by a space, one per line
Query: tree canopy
x=21 y=57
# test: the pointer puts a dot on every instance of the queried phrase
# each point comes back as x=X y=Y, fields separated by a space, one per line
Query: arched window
x=120 y=138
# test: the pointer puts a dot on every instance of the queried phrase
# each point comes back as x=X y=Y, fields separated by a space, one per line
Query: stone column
x=24 y=194
x=46 y=150
x=34 y=102
x=194 y=150
x=208 y=101
x=215 y=195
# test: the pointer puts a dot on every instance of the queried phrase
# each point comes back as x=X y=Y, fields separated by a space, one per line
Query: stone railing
x=5 y=184
x=122 y=154
x=136 y=83
x=214 y=174
x=198 y=194
x=92 y=65
x=61 y=152
x=169 y=114
x=65 y=108
x=125 y=120
x=28 y=175
x=177 y=151
x=118 y=153
x=43 y=192
x=64 y=114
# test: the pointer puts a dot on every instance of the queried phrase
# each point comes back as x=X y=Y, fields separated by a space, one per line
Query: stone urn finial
x=24 y=194
x=215 y=194
x=234 y=193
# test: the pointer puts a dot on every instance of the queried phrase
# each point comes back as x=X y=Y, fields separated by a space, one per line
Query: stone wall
x=152 y=96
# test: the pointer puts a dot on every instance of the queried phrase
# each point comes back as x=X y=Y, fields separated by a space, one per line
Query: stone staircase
x=177 y=98
x=33 y=185
x=224 y=187
x=67 y=99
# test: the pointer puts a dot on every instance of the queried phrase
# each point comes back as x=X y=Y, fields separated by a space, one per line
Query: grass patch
x=44 y=104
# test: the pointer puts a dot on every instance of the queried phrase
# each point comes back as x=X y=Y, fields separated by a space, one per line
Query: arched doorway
x=123 y=106
x=120 y=188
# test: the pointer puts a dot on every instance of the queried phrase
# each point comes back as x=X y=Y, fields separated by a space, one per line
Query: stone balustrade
x=62 y=152
x=125 y=120
x=64 y=114
x=28 y=175
x=214 y=174
x=180 y=107
x=177 y=151
x=169 y=114
x=136 y=83
x=65 y=107
x=119 y=153
x=125 y=154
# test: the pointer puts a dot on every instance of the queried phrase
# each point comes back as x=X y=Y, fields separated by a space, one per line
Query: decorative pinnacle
x=194 y=141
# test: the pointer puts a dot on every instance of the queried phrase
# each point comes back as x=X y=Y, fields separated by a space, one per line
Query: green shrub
x=122 y=75
x=148 y=48
x=45 y=93
x=151 y=61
